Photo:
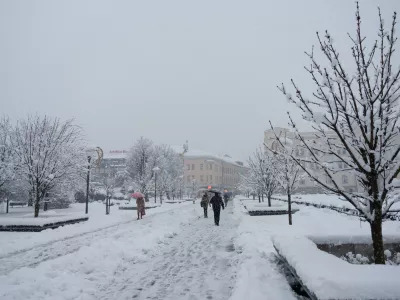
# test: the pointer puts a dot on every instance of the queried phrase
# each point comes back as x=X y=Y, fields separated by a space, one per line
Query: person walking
x=140 y=207
x=226 y=198
x=204 y=204
x=216 y=202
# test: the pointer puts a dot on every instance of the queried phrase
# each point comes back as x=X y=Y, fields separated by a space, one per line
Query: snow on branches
x=355 y=118
x=261 y=176
x=7 y=158
x=144 y=157
x=49 y=153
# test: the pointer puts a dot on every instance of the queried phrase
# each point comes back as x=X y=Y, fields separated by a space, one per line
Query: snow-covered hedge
x=345 y=210
x=329 y=277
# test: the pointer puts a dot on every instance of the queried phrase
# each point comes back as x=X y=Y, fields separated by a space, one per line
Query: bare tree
x=286 y=169
x=355 y=118
x=262 y=173
x=50 y=154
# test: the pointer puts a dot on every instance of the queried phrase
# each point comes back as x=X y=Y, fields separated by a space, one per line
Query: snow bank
x=258 y=276
x=330 y=277
x=38 y=221
x=340 y=239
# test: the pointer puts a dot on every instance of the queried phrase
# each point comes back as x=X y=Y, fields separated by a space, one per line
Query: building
x=113 y=161
x=204 y=170
x=345 y=178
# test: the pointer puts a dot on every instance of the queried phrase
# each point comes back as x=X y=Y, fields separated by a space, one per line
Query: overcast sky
x=203 y=71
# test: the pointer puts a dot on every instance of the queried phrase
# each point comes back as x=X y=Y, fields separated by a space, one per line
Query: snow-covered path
x=198 y=263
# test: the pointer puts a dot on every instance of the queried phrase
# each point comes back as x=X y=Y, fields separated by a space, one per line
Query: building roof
x=195 y=153
x=116 y=154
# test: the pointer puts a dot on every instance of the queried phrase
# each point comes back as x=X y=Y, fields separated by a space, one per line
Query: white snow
x=330 y=277
x=172 y=255
x=38 y=221
x=19 y=241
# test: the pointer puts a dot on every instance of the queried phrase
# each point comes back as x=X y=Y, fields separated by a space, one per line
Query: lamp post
x=87 y=185
x=155 y=170
x=89 y=152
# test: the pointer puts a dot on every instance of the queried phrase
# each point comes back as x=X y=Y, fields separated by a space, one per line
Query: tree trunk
x=259 y=198
x=262 y=197
x=289 y=208
x=269 y=200
x=377 y=240
x=37 y=205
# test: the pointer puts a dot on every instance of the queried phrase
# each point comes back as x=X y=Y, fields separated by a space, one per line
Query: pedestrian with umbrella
x=140 y=204
x=216 y=202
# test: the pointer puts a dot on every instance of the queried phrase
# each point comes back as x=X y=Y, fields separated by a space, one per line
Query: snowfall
x=175 y=253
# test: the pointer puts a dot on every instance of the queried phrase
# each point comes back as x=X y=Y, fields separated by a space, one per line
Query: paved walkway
x=198 y=263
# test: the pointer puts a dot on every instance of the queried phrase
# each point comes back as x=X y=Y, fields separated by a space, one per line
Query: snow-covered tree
x=262 y=173
x=170 y=164
x=50 y=154
x=8 y=161
x=355 y=113
x=287 y=170
x=140 y=164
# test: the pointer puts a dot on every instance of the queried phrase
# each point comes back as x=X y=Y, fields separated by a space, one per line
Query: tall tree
x=356 y=122
x=140 y=164
x=8 y=161
x=262 y=173
x=50 y=154
x=287 y=171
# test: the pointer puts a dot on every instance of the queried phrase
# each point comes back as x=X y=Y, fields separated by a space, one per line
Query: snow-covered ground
x=172 y=255
x=18 y=241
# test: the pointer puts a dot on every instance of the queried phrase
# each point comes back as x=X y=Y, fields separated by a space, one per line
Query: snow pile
x=330 y=277
x=38 y=221
x=340 y=239
x=258 y=276
x=265 y=207
x=80 y=274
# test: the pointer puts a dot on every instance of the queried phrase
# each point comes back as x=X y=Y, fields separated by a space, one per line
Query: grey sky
x=205 y=71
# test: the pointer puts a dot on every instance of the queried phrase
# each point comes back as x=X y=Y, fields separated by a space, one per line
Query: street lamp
x=98 y=153
x=155 y=170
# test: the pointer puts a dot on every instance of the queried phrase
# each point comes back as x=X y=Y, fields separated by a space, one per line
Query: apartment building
x=345 y=178
x=203 y=170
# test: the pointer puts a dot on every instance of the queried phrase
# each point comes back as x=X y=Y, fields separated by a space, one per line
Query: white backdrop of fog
x=205 y=71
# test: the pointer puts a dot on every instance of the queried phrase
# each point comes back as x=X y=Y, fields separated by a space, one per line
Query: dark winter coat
x=217 y=202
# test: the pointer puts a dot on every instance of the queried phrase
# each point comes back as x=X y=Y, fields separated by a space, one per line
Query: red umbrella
x=137 y=195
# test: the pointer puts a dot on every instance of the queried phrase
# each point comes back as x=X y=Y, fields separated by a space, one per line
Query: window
x=345 y=179
x=207 y=178
x=328 y=180
x=211 y=179
x=315 y=180
x=193 y=178
x=210 y=166
x=188 y=178
x=201 y=166
x=297 y=152
x=201 y=178
x=301 y=152
x=192 y=166
x=188 y=167
x=302 y=181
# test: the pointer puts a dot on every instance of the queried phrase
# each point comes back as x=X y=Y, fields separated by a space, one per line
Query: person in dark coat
x=226 y=198
x=216 y=202
x=204 y=204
